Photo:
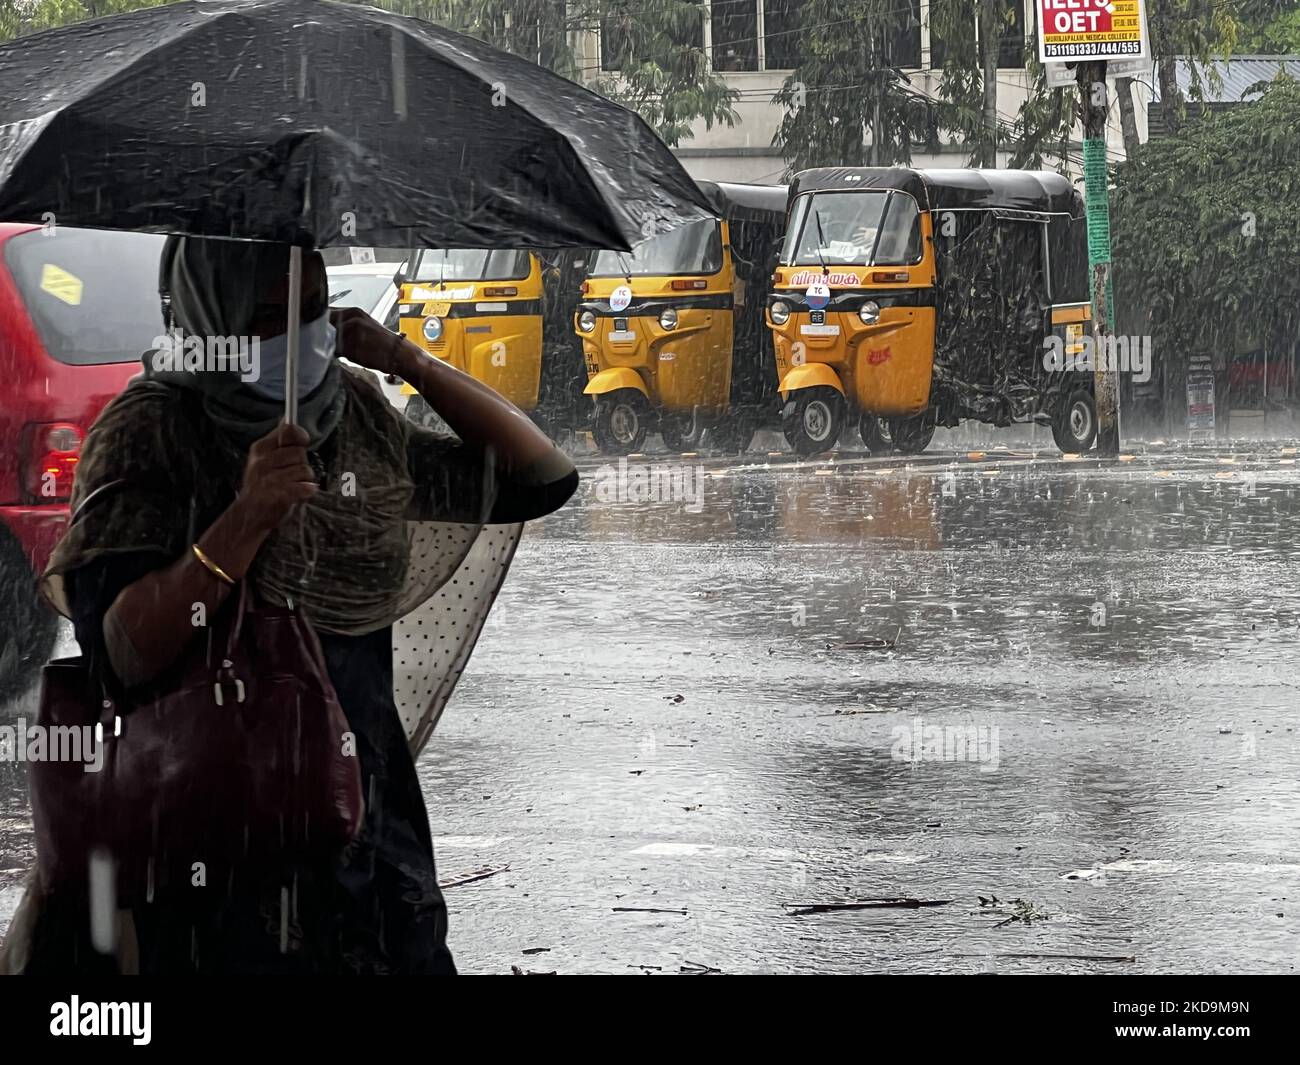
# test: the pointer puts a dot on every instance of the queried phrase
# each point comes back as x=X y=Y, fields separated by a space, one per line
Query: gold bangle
x=211 y=566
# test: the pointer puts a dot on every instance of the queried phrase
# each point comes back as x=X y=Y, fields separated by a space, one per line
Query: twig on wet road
x=798 y=909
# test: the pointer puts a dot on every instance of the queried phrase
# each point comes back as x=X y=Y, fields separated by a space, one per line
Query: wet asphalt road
x=1082 y=745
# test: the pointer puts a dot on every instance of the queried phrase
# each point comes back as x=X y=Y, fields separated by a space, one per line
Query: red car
x=78 y=309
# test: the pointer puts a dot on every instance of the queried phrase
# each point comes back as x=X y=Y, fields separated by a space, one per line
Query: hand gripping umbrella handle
x=291 y=337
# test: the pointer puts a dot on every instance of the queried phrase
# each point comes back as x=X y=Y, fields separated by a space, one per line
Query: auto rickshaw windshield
x=470 y=264
x=869 y=227
x=691 y=249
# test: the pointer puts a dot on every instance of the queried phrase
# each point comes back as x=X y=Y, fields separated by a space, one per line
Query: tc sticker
x=620 y=299
x=818 y=295
x=61 y=285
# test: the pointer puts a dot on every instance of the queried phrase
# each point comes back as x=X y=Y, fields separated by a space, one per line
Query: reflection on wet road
x=1083 y=737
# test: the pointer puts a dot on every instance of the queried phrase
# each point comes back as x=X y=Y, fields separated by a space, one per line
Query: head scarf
x=211 y=288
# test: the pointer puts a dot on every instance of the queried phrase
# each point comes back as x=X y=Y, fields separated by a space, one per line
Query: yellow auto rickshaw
x=673 y=332
x=906 y=299
x=502 y=316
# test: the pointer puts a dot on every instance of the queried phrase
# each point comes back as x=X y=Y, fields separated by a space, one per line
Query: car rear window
x=92 y=294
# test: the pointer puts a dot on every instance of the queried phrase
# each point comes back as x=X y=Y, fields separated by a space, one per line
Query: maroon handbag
x=241 y=754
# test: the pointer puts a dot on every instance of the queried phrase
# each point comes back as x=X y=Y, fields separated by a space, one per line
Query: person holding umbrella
x=198 y=484
x=297 y=482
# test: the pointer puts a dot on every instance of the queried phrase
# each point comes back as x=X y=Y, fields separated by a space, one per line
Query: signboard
x=1200 y=396
x=1078 y=30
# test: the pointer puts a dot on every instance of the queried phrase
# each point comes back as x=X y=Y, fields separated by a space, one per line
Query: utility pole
x=1091 y=77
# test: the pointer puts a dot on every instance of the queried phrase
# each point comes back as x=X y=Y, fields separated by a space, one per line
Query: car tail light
x=686 y=286
x=501 y=290
x=52 y=454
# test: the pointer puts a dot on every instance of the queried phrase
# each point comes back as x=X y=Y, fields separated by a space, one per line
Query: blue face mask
x=315 y=353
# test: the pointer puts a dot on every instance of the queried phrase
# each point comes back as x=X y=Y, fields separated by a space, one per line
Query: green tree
x=847 y=102
x=652 y=61
x=1267 y=31
x=1207 y=232
x=655 y=64
x=19 y=17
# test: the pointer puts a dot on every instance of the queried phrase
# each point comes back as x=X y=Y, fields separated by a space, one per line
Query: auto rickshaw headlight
x=586 y=321
x=869 y=312
x=780 y=313
x=668 y=318
x=432 y=329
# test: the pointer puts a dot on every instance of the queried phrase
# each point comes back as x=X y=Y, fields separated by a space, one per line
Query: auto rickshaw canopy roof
x=1040 y=191
x=732 y=200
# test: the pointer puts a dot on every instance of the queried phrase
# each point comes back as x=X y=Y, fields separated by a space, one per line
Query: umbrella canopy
x=321 y=124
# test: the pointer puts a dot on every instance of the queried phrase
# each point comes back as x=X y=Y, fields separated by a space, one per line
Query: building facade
x=754 y=45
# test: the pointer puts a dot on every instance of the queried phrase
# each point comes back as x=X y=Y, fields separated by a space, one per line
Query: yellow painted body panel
x=681 y=369
x=613 y=379
x=809 y=375
x=504 y=351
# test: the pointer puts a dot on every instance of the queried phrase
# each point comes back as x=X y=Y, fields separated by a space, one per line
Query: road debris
x=481 y=873
x=798 y=909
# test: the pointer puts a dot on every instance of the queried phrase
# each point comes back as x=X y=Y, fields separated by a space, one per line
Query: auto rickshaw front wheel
x=912 y=435
x=812 y=420
x=622 y=421
x=875 y=434
x=1075 y=426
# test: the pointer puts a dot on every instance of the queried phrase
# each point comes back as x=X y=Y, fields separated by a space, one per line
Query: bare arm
x=480 y=416
x=151 y=621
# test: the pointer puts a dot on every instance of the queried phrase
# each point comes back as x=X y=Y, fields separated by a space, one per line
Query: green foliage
x=20 y=17
x=1206 y=228
x=962 y=85
x=846 y=87
x=1277 y=36
x=659 y=66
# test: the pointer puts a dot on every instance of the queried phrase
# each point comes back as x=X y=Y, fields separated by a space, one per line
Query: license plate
x=620 y=325
x=621 y=334
x=820 y=330
x=817 y=317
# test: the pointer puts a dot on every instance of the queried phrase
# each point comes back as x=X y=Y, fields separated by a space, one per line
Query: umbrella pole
x=295 y=317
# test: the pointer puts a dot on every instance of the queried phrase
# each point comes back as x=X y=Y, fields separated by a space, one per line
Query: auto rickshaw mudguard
x=613 y=379
x=809 y=375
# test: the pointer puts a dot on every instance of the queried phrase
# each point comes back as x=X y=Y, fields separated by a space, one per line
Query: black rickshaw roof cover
x=1040 y=191
x=731 y=197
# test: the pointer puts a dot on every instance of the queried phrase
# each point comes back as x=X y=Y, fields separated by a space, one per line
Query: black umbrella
x=321 y=124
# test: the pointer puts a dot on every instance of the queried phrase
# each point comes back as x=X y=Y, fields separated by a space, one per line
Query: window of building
x=735 y=34
x=782 y=34
x=905 y=40
x=621 y=44
x=1011 y=48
